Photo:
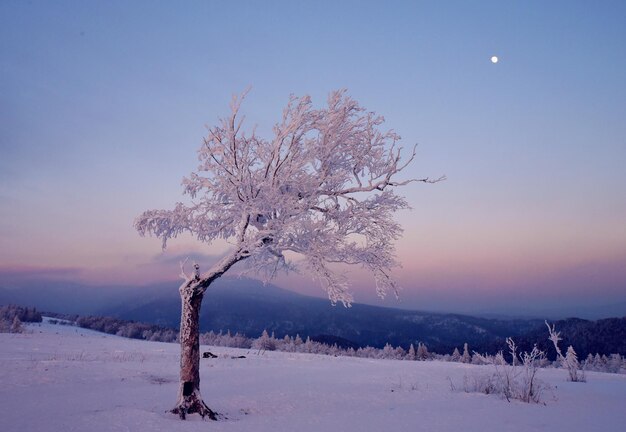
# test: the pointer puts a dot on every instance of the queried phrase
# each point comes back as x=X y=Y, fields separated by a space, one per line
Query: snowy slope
x=62 y=378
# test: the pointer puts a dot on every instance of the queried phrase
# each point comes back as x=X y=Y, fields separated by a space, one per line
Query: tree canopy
x=321 y=187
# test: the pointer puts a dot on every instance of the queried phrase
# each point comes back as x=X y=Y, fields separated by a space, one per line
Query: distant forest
x=572 y=330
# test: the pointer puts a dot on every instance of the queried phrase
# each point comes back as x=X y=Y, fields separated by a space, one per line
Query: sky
x=104 y=104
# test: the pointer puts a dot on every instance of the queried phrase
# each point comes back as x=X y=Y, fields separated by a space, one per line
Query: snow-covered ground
x=61 y=378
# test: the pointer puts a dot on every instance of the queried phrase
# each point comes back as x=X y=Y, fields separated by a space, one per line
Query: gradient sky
x=103 y=105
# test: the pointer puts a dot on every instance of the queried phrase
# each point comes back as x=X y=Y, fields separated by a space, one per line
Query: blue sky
x=103 y=105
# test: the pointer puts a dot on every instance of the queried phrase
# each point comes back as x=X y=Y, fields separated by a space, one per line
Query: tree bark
x=189 y=397
x=191 y=294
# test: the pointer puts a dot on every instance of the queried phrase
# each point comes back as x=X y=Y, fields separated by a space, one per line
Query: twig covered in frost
x=510 y=381
x=570 y=360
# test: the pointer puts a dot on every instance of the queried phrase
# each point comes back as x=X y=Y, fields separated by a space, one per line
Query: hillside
x=249 y=307
x=246 y=306
x=62 y=378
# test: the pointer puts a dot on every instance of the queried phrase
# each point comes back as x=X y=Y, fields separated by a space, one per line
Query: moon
x=494 y=59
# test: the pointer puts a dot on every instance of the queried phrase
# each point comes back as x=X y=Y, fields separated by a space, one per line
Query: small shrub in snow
x=483 y=383
x=509 y=381
x=129 y=356
x=16 y=327
x=265 y=342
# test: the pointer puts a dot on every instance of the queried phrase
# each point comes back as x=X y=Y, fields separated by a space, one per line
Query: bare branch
x=555 y=337
x=184 y=275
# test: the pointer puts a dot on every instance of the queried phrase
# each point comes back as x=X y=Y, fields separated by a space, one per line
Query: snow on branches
x=322 y=187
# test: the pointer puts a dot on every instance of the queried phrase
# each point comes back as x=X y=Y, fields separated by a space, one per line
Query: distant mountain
x=247 y=306
x=74 y=298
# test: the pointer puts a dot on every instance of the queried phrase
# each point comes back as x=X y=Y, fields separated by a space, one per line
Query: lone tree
x=322 y=188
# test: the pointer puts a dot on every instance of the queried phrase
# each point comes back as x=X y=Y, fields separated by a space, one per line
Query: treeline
x=25 y=314
x=614 y=363
x=128 y=329
x=12 y=317
x=267 y=342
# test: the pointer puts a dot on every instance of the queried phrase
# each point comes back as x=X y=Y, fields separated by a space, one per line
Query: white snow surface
x=61 y=378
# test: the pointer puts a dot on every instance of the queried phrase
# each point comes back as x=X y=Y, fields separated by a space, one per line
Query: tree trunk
x=189 y=397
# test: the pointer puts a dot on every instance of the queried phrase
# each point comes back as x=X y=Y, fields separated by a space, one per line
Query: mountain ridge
x=249 y=307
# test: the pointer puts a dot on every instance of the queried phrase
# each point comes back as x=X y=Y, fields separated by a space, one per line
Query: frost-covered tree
x=422 y=352
x=456 y=355
x=480 y=359
x=16 y=326
x=412 y=355
x=322 y=188
x=570 y=360
x=297 y=341
x=387 y=352
x=265 y=342
x=334 y=350
x=499 y=359
x=308 y=346
x=614 y=364
x=287 y=344
x=597 y=362
x=588 y=363
x=466 y=357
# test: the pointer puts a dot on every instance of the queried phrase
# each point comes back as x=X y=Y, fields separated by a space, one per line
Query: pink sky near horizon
x=429 y=278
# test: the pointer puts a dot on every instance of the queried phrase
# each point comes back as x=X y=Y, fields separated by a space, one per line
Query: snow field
x=61 y=378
